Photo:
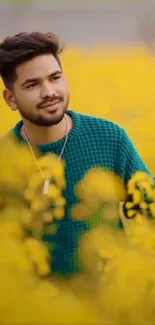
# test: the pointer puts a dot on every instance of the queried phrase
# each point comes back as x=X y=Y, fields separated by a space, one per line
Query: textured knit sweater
x=92 y=142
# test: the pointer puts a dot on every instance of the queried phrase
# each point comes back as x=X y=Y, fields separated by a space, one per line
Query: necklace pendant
x=46 y=186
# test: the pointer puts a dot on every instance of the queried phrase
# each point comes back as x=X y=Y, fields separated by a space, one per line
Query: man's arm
x=129 y=159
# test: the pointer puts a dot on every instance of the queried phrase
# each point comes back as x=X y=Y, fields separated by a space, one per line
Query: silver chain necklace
x=46 y=181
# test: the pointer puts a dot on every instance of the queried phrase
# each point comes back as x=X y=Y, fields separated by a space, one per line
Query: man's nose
x=47 y=90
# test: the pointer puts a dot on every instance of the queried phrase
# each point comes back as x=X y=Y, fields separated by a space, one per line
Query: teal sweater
x=92 y=142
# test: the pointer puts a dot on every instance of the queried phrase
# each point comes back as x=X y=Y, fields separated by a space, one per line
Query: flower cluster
x=22 y=198
x=141 y=196
x=48 y=205
x=118 y=285
x=99 y=189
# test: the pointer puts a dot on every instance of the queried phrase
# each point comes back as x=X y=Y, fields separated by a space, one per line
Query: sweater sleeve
x=129 y=160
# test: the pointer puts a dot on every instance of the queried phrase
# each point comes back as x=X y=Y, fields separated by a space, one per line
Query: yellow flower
x=101 y=185
x=132 y=213
x=36 y=181
x=38 y=204
x=16 y=165
x=53 y=168
x=39 y=201
x=61 y=201
x=143 y=205
x=2 y=201
x=29 y=194
x=139 y=218
x=36 y=249
x=53 y=192
x=137 y=196
x=47 y=217
x=9 y=178
x=140 y=176
x=11 y=228
x=97 y=186
x=59 y=213
x=25 y=162
x=144 y=182
x=152 y=209
x=129 y=205
x=81 y=211
x=39 y=255
x=43 y=268
x=27 y=218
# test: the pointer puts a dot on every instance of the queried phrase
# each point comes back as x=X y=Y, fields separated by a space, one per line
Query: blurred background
x=109 y=59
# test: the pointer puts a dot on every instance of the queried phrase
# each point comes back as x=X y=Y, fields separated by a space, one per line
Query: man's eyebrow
x=27 y=81
x=31 y=80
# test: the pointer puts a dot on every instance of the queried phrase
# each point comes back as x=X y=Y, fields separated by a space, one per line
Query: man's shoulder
x=11 y=135
x=8 y=138
x=99 y=123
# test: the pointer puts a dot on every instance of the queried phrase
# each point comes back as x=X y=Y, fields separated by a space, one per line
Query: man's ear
x=10 y=99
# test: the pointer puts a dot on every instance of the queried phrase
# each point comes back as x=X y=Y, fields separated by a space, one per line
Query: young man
x=35 y=85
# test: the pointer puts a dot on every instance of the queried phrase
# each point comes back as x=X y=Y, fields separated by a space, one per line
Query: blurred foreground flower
x=122 y=276
x=118 y=285
x=16 y=165
x=22 y=198
x=99 y=192
x=26 y=298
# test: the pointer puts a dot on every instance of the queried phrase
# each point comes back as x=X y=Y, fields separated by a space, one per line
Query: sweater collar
x=74 y=132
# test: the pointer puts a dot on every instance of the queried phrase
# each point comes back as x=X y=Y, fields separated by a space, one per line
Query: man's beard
x=44 y=121
x=40 y=120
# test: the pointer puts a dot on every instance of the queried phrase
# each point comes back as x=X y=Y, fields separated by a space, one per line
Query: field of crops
x=113 y=82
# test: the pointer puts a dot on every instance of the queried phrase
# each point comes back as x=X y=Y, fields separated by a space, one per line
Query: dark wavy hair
x=22 y=47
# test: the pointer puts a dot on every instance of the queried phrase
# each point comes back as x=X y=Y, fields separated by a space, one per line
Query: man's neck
x=43 y=135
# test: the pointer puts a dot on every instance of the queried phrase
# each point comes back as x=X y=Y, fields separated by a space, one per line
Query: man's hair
x=22 y=47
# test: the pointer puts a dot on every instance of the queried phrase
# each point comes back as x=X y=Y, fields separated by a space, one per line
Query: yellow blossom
x=39 y=254
x=27 y=218
x=144 y=182
x=61 y=201
x=131 y=213
x=53 y=192
x=81 y=211
x=99 y=184
x=53 y=168
x=143 y=205
x=129 y=205
x=59 y=213
x=139 y=218
x=29 y=194
x=152 y=209
x=16 y=165
x=137 y=196
x=47 y=217
x=43 y=268
x=11 y=228
x=36 y=181
x=38 y=204
x=2 y=200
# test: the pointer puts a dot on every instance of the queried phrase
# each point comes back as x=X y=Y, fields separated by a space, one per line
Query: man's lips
x=50 y=104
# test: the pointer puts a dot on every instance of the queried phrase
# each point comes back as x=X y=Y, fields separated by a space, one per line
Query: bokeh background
x=109 y=59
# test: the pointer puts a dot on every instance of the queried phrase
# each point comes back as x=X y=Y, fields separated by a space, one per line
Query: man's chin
x=50 y=120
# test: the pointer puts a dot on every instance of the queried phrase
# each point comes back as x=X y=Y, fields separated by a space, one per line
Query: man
x=35 y=85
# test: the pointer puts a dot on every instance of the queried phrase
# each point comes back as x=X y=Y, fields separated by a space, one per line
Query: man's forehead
x=38 y=67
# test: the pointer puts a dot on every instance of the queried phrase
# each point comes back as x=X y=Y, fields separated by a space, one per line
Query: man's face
x=40 y=92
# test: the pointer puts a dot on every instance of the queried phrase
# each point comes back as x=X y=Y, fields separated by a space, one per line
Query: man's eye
x=31 y=85
x=55 y=78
